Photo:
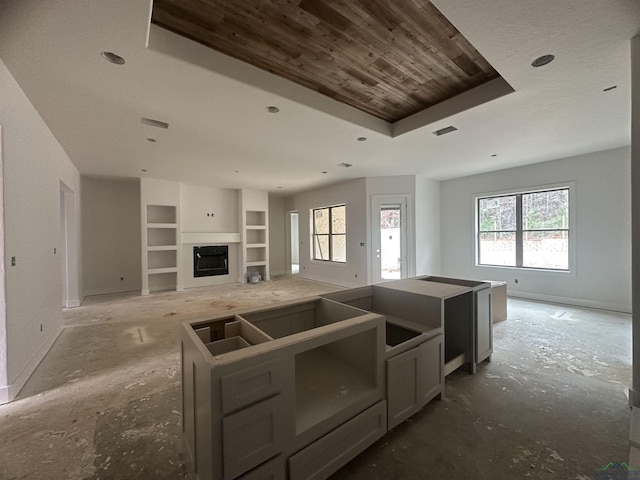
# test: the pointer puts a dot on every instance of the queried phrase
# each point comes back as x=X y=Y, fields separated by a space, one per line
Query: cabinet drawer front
x=326 y=455
x=251 y=436
x=251 y=385
x=271 y=470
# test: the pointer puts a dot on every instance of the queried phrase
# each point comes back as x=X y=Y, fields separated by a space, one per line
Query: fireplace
x=209 y=261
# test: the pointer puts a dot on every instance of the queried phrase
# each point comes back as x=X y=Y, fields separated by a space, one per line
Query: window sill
x=535 y=271
x=328 y=262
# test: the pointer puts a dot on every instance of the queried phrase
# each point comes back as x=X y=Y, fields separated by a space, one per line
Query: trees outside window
x=329 y=235
x=524 y=230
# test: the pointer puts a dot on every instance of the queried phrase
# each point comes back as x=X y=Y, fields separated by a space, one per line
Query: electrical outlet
x=121 y=279
x=515 y=281
x=13 y=261
x=41 y=327
x=55 y=250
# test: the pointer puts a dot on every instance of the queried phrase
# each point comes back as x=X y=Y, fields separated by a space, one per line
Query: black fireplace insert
x=208 y=261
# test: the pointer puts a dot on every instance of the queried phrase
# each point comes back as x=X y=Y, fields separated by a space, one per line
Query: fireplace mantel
x=198 y=238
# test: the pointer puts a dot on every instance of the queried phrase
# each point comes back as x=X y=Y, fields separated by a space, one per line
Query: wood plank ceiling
x=389 y=58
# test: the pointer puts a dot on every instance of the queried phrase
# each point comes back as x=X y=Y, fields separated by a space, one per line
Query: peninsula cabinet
x=303 y=396
x=297 y=389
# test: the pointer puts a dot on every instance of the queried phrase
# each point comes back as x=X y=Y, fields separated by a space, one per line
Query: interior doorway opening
x=294 y=254
x=68 y=247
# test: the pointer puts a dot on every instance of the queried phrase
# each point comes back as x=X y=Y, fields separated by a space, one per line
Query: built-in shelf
x=161 y=225
x=255 y=254
x=160 y=254
x=156 y=271
x=256 y=218
x=161 y=214
x=162 y=248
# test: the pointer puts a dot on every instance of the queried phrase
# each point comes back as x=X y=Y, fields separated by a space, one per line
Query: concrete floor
x=105 y=402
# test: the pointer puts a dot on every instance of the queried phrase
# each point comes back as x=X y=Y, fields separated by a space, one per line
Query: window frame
x=520 y=232
x=330 y=235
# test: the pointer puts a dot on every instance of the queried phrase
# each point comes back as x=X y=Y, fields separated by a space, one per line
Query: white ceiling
x=216 y=106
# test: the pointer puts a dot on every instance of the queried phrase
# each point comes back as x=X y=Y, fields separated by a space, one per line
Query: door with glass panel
x=389 y=240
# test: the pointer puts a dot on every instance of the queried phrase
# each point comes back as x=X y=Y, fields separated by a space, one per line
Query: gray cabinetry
x=326 y=455
x=484 y=325
x=252 y=436
x=413 y=379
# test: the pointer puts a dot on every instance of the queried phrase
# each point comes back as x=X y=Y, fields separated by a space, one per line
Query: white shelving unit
x=255 y=235
x=160 y=259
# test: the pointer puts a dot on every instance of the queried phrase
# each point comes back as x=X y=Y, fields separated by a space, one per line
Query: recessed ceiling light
x=323 y=172
x=608 y=89
x=236 y=171
x=152 y=140
x=273 y=109
x=362 y=139
x=445 y=130
x=279 y=187
x=542 y=61
x=143 y=169
x=345 y=165
x=154 y=123
x=494 y=154
x=113 y=58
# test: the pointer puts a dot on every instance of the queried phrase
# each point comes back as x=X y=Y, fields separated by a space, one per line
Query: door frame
x=377 y=201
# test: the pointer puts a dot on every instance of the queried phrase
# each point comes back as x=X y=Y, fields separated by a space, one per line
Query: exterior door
x=389 y=230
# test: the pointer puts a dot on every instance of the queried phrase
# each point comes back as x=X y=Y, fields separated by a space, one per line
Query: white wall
x=353 y=195
x=111 y=256
x=34 y=165
x=277 y=235
x=602 y=276
x=221 y=205
x=427 y=227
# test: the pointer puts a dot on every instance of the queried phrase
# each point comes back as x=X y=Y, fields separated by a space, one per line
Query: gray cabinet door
x=433 y=368
x=413 y=379
x=252 y=435
x=484 y=329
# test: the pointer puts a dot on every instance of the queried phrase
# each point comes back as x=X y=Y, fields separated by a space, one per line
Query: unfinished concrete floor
x=105 y=402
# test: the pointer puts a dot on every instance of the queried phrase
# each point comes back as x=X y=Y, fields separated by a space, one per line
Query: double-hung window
x=329 y=235
x=524 y=230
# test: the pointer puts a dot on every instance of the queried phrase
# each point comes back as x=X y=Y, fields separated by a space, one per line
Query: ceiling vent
x=345 y=165
x=154 y=123
x=444 y=131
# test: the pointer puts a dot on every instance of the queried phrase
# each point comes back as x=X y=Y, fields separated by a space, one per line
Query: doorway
x=68 y=247
x=389 y=237
x=294 y=251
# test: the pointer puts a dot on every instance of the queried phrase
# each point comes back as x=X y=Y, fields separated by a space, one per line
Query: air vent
x=154 y=123
x=345 y=165
x=444 y=130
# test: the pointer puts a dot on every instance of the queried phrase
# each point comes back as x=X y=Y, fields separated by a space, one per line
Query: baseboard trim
x=14 y=389
x=330 y=281
x=578 y=302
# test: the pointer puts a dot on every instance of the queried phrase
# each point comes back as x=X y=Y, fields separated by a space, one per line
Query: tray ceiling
x=389 y=58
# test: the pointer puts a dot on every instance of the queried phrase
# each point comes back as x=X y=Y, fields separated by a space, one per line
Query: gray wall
x=111 y=238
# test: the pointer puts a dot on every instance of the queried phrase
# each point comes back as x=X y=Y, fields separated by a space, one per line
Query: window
x=330 y=234
x=525 y=230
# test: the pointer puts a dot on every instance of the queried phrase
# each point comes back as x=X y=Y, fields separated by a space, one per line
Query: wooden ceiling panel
x=389 y=58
